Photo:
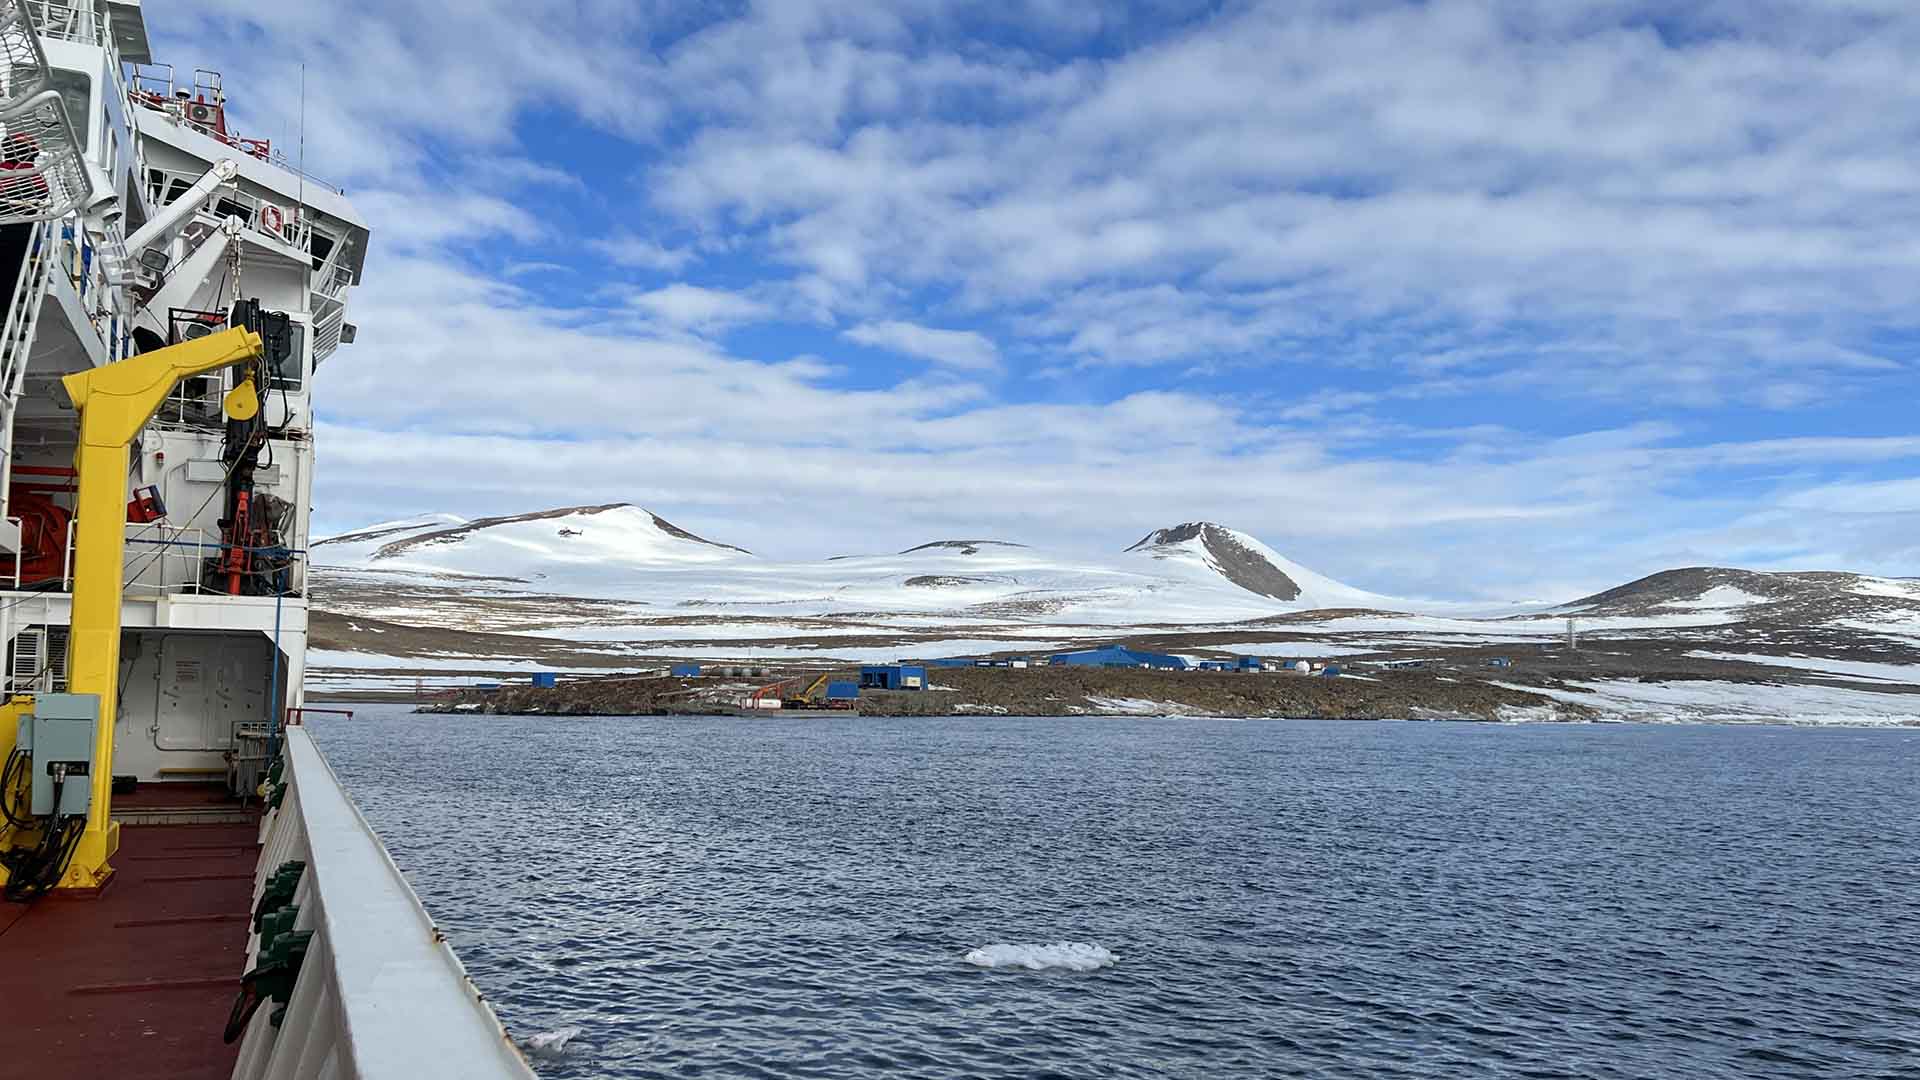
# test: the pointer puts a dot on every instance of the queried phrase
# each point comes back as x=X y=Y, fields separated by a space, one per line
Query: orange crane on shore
x=782 y=691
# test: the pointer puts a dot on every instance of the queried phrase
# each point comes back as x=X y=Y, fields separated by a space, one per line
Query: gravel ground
x=1055 y=691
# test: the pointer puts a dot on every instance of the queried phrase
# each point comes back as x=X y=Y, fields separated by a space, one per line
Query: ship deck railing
x=153 y=88
x=380 y=992
x=162 y=559
x=85 y=23
x=295 y=228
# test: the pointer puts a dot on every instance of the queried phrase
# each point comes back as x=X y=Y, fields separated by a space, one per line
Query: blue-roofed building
x=1120 y=656
x=893 y=677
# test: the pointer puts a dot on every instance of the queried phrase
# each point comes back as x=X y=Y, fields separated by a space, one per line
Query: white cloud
x=1303 y=168
x=1455 y=199
x=748 y=452
x=627 y=249
x=693 y=307
x=1874 y=497
x=416 y=219
x=962 y=349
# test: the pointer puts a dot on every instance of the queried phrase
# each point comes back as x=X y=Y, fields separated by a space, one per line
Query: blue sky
x=1461 y=298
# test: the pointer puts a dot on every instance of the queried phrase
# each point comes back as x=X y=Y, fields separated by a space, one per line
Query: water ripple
x=786 y=898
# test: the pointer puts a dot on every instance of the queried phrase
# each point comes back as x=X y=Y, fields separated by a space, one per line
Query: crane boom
x=114 y=402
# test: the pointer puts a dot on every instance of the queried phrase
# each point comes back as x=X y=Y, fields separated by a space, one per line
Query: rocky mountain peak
x=1234 y=556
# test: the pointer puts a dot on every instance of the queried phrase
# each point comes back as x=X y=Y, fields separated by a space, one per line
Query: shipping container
x=893 y=677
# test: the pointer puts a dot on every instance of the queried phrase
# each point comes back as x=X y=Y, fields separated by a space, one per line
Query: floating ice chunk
x=1072 y=955
x=549 y=1043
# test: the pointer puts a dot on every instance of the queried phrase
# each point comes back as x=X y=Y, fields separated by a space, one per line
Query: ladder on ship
x=43 y=179
x=42 y=172
x=329 y=303
x=22 y=322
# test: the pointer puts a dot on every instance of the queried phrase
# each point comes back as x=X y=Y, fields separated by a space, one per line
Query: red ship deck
x=136 y=983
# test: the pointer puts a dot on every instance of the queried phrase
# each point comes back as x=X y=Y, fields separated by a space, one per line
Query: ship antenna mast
x=301 y=171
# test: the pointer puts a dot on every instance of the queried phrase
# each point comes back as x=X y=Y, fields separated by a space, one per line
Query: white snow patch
x=1137 y=706
x=1735 y=703
x=550 y=1043
x=1720 y=596
x=917 y=650
x=1859 y=669
x=335 y=659
x=1291 y=648
x=1071 y=955
x=1901 y=588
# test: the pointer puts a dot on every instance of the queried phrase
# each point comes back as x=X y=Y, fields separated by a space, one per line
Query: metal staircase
x=329 y=304
x=42 y=174
x=16 y=349
x=43 y=178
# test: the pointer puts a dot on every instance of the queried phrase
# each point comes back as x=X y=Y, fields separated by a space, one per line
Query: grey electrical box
x=59 y=731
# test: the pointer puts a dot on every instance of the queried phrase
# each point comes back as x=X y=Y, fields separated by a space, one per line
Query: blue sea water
x=785 y=897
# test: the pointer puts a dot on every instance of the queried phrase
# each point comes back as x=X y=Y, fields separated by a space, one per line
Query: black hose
x=18 y=758
x=33 y=874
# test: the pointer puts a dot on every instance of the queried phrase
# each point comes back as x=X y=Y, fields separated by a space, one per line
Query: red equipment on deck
x=43 y=536
x=239 y=540
x=146 y=506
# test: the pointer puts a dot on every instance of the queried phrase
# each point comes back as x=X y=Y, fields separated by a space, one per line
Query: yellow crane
x=812 y=692
x=113 y=403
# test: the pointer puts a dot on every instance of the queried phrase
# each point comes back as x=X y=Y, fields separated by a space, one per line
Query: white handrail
x=16 y=345
x=293 y=227
x=157 y=92
x=66 y=20
x=42 y=174
x=380 y=993
x=162 y=558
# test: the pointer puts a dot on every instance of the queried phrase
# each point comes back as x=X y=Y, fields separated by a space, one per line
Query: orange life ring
x=272 y=219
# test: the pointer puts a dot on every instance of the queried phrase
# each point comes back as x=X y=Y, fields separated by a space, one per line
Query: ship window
x=167 y=189
x=322 y=246
x=289 y=377
x=136 y=213
x=76 y=91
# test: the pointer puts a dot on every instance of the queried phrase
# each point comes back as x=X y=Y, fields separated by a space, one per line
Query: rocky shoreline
x=1055 y=691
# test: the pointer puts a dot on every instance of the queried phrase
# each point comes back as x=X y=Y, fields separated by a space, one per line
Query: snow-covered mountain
x=1198 y=572
x=1219 y=552
x=1803 y=596
x=609 y=587
x=623 y=578
x=582 y=546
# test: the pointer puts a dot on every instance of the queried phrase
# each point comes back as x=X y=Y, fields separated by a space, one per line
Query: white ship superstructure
x=176 y=220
